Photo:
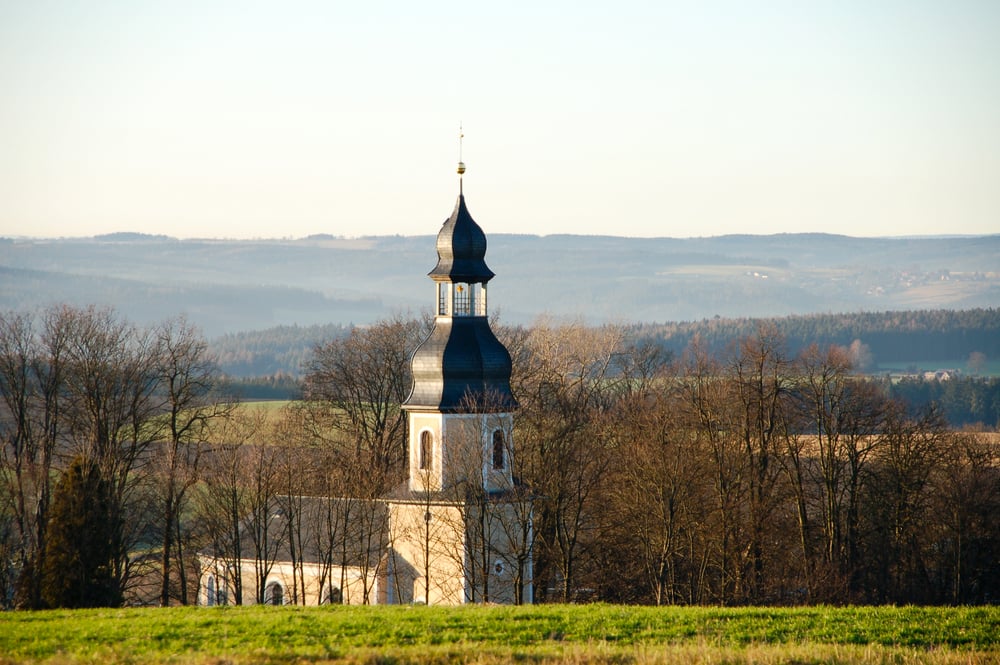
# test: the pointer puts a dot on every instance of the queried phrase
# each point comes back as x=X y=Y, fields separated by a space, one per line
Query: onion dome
x=461 y=368
x=461 y=249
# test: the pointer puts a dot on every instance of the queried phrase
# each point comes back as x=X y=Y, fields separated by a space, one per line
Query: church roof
x=461 y=248
x=323 y=524
x=456 y=495
x=461 y=367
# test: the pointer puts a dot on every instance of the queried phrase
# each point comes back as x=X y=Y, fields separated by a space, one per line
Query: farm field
x=476 y=634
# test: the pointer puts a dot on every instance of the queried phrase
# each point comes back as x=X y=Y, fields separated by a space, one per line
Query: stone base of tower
x=450 y=553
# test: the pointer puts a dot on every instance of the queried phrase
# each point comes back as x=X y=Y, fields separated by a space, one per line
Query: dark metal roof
x=459 y=492
x=461 y=248
x=323 y=525
x=461 y=367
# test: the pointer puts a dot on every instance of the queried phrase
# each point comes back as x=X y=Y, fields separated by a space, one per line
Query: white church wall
x=426 y=553
x=340 y=586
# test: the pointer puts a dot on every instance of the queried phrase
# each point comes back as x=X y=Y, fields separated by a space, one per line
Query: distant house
x=942 y=375
x=459 y=530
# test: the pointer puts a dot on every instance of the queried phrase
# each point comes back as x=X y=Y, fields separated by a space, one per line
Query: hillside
x=226 y=286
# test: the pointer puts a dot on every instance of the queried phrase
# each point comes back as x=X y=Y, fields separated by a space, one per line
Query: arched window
x=499 y=450
x=274 y=594
x=426 y=449
x=210 y=591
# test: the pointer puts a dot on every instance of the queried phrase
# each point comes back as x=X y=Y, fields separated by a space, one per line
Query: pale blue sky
x=260 y=119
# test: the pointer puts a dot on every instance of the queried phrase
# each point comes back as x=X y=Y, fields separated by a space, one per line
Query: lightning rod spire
x=461 y=164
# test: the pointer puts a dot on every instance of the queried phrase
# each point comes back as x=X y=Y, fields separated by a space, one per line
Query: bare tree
x=188 y=380
x=761 y=381
x=23 y=491
x=111 y=379
x=657 y=493
x=261 y=475
x=31 y=389
x=223 y=501
x=355 y=388
x=709 y=411
x=908 y=452
x=844 y=412
x=565 y=377
x=311 y=503
x=965 y=500
x=357 y=385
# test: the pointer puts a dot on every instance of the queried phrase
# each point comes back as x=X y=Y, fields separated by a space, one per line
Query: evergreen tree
x=79 y=571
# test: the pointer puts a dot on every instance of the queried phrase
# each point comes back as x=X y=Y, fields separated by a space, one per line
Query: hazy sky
x=283 y=119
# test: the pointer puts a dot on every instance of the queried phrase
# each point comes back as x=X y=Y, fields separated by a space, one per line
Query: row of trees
x=745 y=476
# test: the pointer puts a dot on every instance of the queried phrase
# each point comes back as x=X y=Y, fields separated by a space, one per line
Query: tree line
x=894 y=336
x=889 y=337
x=747 y=475
x=963 y=400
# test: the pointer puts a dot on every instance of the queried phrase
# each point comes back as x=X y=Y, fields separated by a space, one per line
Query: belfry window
x=442 y=299
x=426 y=450
x=463 y=300
x=499 y=450
x=480 y=303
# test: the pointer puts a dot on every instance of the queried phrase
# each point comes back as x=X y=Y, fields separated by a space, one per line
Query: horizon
x=641 y=119
x=138 y=236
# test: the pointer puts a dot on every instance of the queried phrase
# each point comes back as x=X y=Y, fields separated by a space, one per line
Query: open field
x=475 y=634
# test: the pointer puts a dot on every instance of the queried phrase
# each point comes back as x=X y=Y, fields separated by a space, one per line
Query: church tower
x=460 y=409
x=460 y=530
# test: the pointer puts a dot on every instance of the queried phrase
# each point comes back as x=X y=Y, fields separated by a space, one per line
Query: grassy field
x=543 y=634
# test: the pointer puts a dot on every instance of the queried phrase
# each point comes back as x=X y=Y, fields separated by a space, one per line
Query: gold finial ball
x=461 y=168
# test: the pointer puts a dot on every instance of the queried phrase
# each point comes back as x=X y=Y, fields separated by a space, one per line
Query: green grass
x=582 y=634
x=266 y=405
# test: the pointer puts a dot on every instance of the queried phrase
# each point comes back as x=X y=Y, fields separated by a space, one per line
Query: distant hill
x=228 y=286
x=125 y=236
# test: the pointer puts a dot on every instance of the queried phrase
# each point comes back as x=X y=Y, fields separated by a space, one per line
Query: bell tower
x=460 y=530
x=460 y=408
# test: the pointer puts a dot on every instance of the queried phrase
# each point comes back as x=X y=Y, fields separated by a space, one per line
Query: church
x=459 y=529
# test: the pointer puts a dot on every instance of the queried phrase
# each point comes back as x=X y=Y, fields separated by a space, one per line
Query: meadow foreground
x=475 y=634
